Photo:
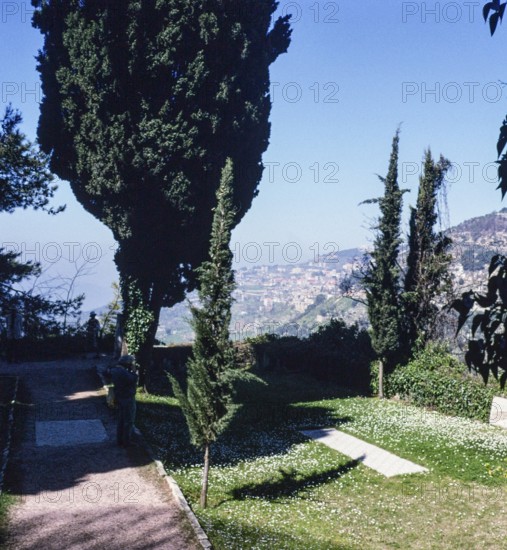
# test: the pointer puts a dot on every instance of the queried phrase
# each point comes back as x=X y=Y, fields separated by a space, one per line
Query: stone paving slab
x=69 y=432
x=374 y=457
x=498 y=413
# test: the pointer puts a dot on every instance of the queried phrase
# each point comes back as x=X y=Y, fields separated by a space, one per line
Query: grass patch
x=6 y=501
x=270 y=487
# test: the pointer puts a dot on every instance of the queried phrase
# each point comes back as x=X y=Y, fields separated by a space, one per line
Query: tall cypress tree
x=143 y=102
x=428 y=259
x=209 y=372
x=382 y=279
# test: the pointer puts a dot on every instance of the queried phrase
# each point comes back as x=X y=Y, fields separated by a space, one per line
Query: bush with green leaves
x=488 y=353
x=437 y=380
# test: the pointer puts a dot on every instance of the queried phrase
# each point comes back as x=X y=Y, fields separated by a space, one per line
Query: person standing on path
x=124 y=379
x=93 y=332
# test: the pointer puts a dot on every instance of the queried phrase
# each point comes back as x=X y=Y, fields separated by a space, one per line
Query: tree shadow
x=256 y=431
x=291 y=483
x=110 y=523
x=58 y=393
x=268 y=415
x=231 y=532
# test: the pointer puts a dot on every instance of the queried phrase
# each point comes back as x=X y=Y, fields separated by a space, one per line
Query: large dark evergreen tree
x=382 y=280
x=428 y=260
x=211 y=368
x=143 y=102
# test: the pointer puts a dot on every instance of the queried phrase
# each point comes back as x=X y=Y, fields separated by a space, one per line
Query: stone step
x=374 y=457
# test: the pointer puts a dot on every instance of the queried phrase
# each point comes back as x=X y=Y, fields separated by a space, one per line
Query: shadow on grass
x=269 y=412
x=257 y=430
x=230 y=533
x=291 y=483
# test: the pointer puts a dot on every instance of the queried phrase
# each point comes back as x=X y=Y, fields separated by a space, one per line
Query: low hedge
x=335 y=353
x=437 y=380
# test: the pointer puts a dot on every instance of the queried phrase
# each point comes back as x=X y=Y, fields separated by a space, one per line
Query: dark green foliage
x=342 y=355
x=143 y=102
x=43 y=316
x=403 y=312
x=502 y=162
x=427 y=275
x=25 y=182
x=487 y=354
x=498 y=10
x=435 y=379
x=209 y=376
x=382 y=279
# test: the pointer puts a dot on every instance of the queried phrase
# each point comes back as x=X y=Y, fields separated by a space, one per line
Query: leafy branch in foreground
x=497 y=15
x=488 y=311
x=26 y=182
x=497 y=12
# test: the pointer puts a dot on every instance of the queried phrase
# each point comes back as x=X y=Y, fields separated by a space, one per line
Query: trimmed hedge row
x=335 y=352
x=437 y=380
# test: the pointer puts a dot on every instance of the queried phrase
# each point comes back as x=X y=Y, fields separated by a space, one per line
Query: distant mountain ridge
x=482 y=227
x=477 y=240
x=296 y=298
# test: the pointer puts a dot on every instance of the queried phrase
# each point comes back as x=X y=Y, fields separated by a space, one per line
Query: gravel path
x=88 y=494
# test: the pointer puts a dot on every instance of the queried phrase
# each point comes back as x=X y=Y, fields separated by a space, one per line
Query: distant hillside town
x=296 y=299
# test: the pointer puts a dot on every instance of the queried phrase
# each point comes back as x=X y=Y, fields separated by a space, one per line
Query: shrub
x=436 y=379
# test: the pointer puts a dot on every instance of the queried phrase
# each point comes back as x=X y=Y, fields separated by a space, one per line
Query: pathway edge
x=178 y=495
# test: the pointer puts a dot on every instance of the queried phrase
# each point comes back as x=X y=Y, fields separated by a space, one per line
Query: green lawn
x=272 y=488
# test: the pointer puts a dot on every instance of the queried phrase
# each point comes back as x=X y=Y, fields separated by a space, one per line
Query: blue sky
x=353 y=73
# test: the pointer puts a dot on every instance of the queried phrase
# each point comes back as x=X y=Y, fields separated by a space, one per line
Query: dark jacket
x=125 y=382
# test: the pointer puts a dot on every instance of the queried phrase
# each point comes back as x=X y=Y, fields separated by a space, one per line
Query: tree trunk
x=204 y=488
x=145 y=353
x=381 y=380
